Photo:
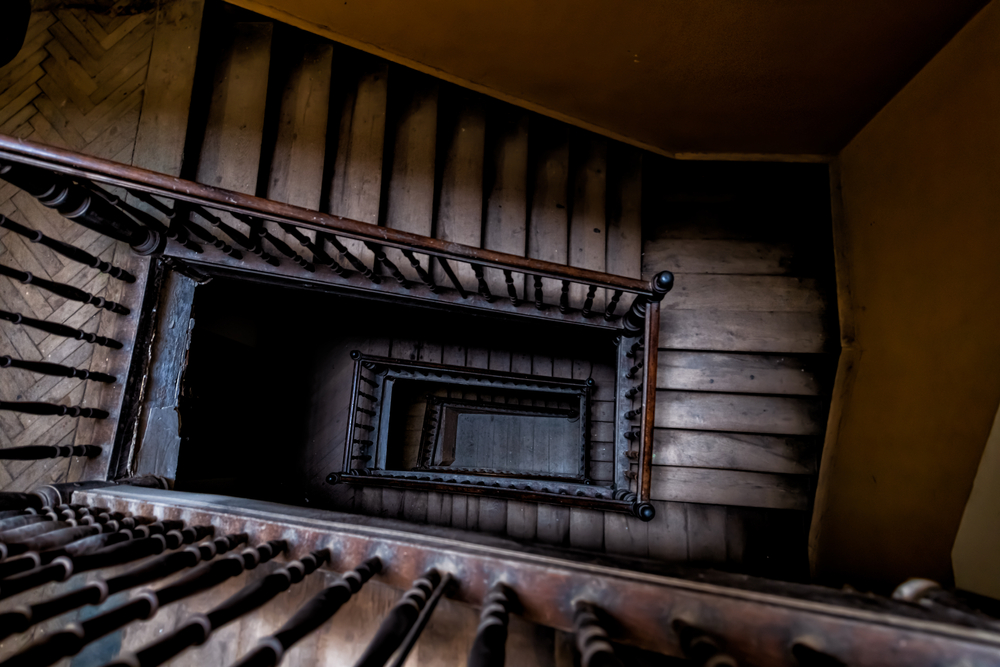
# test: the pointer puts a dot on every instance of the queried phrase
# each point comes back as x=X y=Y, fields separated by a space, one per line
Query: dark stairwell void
x=267 y=391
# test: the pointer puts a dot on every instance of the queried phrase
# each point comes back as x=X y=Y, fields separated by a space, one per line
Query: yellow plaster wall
x=919 y=264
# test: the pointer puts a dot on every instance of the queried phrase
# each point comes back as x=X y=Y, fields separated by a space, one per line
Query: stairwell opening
x=267 y=392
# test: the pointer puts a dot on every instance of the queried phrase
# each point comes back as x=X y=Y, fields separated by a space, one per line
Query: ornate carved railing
x=709 y=618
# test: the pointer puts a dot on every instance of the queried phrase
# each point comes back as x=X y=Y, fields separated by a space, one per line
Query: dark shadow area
x=268 y=377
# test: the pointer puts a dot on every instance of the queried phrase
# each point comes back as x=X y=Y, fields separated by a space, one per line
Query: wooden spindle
x=366 y=411
x=34 y=408
x=631 y=373
x=633 y=348
x=319 y=255
x=81 y=205
x=46 y=368
x=609 y=312
x=240 y=239
x=489 y=646
x=38 y=452
x=508 y=278
x=66 y=250
x=425 y=277
x=589 y=301
x=182 y=218
x=633 y=435
x=635 y=319
x=368 y=396
x=173 y=229
x=59 y=330
x=592 y=640
x=632 y=414
x=564 y=297
x=539 y=296
x=701 y=648
x=198 y=628
x=365 y=427
x=352 y=259
x=448 y=271
x=63 y=290
x=422 y=619
x=398 y=622
x=484 y=289
x=316 y=612
x=369 y=381
x=97 y=591
x=631 y=393
x=63 y=567
x=381 y=258
x=144 y=605
x=262 y=233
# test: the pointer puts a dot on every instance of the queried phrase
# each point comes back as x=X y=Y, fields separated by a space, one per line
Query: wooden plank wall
x=744 y=363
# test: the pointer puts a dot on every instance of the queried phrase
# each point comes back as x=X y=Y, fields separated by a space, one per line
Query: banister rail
x=114 y=174
x=695 y=614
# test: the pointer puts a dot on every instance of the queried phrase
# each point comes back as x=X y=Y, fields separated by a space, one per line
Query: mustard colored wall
x=919 y=271
x=975 y=555
x=677 y=76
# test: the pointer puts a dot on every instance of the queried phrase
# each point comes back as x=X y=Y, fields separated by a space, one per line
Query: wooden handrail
x=112 y=173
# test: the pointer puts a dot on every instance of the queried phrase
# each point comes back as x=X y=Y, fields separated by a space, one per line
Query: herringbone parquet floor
x=78 y=84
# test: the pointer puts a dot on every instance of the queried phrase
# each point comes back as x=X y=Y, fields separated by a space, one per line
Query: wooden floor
x=78 y=83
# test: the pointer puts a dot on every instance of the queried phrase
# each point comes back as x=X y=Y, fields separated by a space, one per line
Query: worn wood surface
x=78 y=83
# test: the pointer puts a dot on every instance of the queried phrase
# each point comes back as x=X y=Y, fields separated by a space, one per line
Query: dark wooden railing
x=212 y=230
x=707 y=618
x=204 y=230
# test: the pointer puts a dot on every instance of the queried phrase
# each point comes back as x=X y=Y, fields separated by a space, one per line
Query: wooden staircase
x=746 y=343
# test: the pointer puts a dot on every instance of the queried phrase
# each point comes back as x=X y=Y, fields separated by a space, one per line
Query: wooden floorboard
x=75 y=85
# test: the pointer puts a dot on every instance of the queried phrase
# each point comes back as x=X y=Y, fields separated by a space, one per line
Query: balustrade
x=714 y=619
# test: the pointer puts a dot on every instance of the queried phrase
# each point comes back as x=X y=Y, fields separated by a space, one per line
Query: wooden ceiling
x=794 y=77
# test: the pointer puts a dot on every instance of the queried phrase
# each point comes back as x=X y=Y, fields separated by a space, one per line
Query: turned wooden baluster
x=609 y=312
x=319 y=255
x=261 y=232
x=63 y=567
x=381 y=258
x=400 y=620
x=635 y=347
x=66 y=250
x=539 y=297
x=235 y=235
x=175 y=229
x=198 y=628
x=33 y=408
x=180 y=225
x=316 y=612
x=145 y=218
x=425 y=277
x=452 y=277
x=631 y=393
x=591 y=639
x=701 y=648
x=508 y=278
x=80 y=205
x=484 y=289
x=635 y=318
x=63 y=290
x=489 y=646
x=631 y=373
x=20 y=619
x=352 y=259
x=425 y=616
x=59 y=330
x=564 y=297
x=589 y=302
x=46 y=368
x=38 y=452
x=144 y=605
